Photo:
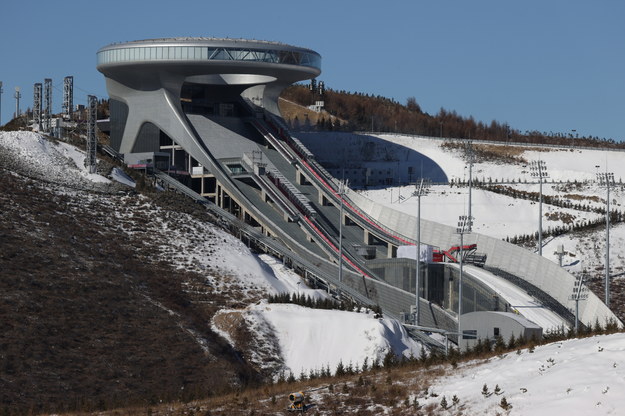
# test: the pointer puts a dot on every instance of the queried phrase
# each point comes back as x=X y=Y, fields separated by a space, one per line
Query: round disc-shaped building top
x=150 y=64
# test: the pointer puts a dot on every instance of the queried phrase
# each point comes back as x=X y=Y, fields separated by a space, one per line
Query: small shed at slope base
x=488 y=325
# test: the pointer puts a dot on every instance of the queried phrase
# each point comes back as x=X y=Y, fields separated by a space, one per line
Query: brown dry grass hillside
x=90 y=317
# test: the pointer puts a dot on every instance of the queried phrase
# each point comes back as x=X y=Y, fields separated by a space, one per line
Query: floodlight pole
x=464 y=227
x=540 y=218
x=17 y=96
x=342 y=190
x=580 y=292
x=607 y=179
x=1 y=91
x=471 y=159
x=538 y=169
x=421 y=190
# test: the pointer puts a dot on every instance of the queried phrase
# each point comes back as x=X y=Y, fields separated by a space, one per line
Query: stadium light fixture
x=343 y=186
x=538 y=169
x=464 y=227
x=607 y=179
x=470 y=161
x=422 y=188
x=580 y=292
x=1 y=91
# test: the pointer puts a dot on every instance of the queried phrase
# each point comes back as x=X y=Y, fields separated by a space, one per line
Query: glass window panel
x=152 y=53
x=172 y=53
x=159 y=53
x=178 y=52
x=184 y=52
x=237 y=55
x=142 y=53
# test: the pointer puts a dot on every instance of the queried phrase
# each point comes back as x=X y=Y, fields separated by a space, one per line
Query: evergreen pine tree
x=504 y=404
x=340 y=369
x=500 y=346
x=444 y=402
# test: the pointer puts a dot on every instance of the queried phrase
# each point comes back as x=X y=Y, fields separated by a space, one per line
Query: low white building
x=490 y=325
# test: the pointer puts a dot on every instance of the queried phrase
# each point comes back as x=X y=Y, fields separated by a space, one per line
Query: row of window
x=196 y=53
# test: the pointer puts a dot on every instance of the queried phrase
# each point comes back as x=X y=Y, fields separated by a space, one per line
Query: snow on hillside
x=496 y=215
x=63 y=163
x=563 y=163
x=58 y=161
x=313 y=339
x=502 y=216
x=574 y=377
x=309 y=338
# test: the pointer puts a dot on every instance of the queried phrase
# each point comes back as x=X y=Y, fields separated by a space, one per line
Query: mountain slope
x=109 y=297
x=90 y=314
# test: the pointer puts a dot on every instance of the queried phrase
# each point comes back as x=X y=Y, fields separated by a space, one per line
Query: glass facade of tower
x=203 y=53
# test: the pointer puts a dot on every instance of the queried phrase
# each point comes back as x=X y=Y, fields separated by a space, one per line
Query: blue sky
x=549 y=65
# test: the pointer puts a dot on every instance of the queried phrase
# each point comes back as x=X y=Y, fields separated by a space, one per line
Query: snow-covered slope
x=502 y=216
x=57 y=161
x=575 y=377
x=313 y=339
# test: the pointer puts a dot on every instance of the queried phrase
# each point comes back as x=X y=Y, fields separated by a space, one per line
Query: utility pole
x=421 y=190
x=607 y=179
x=538 y=169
